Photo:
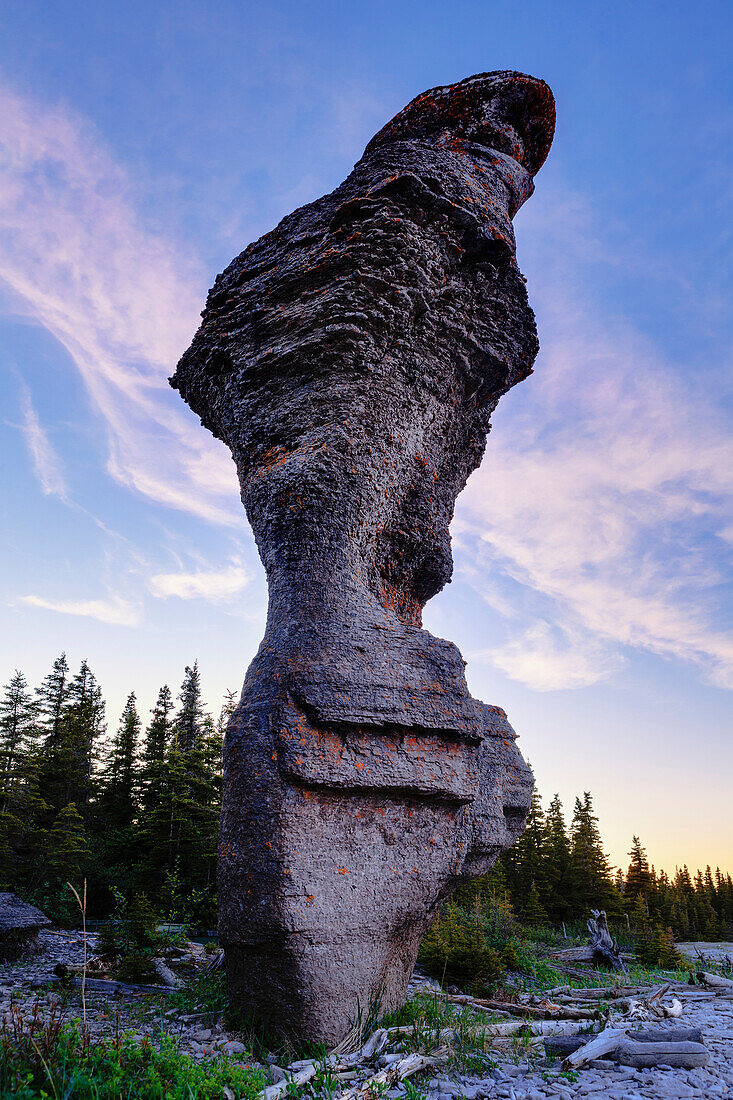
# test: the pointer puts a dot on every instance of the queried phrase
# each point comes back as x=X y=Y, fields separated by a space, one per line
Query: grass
x=205 y=996
x=52 y=1058
x=49 y=1058
x=427 y=1016
x=480 y=946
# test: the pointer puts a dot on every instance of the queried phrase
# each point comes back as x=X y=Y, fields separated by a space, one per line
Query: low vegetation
x=44 y=1058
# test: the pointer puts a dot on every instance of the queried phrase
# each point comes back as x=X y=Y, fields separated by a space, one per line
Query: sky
x=142 y=146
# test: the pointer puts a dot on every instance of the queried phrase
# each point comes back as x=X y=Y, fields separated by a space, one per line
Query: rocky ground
x=522 y=1081
x=199 y=1035
x=513 y=1078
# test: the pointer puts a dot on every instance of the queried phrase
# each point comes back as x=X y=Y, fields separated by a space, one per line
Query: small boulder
x=19 y=925
x=234 y=1047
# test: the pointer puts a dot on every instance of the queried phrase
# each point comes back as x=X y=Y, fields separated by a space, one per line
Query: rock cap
x=506 y=110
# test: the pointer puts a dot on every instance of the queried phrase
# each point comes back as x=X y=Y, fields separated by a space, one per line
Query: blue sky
x=142 y=146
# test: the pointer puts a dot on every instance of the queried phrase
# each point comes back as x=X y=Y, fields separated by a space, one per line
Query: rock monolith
x=351 y=360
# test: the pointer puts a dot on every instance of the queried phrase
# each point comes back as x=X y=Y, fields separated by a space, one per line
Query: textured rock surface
x=351 y=360
x=19 y=925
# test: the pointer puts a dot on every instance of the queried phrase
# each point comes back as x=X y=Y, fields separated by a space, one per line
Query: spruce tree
x=116 y=840
x=197 y=813
x=66 y=861
x=229 y=705
x=589 y=873
x=74 y=720
x=17 y=729
x=534 y=911
x=155 y=822
x=638 y=882
x=118 y=800
x=51 y=698
x=557 y=863
x=211 y=794
x=180 y=830
x=188 y=723
x=525 y=861
x=23 y=830
x=82 y=725
x=157 y=739
x=22 y=810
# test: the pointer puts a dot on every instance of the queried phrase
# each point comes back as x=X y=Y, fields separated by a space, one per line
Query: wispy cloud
x=547 y=657
x=211 y=584
x=121 y=300
x=605 y=494
x=602 y=506
x=115 y=611
x=47 y=465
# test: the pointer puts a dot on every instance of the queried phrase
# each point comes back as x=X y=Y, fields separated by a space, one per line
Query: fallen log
x=512 y=1008
x=272 y=1092
x=539 y=1012
x=559 y=1046
x=575 y=971
x=653 y=1005
x=678 y=1055
x=390 y=1075
x=725 y=985
x=582 y=954
x=608 y=993
x=41 y=983
x=102 y=985
x=500 y=1030
x=166 y=975
x=604 y=1043
x=667 y=1035
x=374 y=1045
x=574 y=954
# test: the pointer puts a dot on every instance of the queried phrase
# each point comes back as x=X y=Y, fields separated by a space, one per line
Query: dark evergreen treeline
x=556 y=874
x=134 y=811
x=137 y=811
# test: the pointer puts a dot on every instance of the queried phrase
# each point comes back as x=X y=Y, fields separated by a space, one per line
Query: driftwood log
x=664 y=1053
x=166 y=975
x=555 y=962
x=629 y=1051
x=102 y=985
x=291 y=1081
x=560 y=1046
x=605 y=1043
x=724 y=985
x=399 y=1070
x=602 y=950
x=544 y=1011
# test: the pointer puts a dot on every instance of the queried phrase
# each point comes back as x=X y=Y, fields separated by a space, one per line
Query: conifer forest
x=132 y=806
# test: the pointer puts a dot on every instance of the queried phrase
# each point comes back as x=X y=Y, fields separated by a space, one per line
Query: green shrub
x=657 y=948
x=131 y=939
x=64 y=1064
x=509 y=957
x=455 y=949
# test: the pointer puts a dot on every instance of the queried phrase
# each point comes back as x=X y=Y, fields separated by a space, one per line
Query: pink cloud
x=123 y=302
x=606 y=488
